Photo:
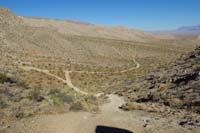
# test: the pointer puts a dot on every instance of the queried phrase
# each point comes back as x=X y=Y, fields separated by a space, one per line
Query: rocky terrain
x=173 y=89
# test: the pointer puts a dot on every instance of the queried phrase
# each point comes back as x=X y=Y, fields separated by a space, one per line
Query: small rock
x=192 y=56
x=40 y=99
x=182 y=123
x=150 y=77
x=145 y=125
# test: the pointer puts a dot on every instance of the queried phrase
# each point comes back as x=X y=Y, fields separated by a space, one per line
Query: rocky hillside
x=176 y=86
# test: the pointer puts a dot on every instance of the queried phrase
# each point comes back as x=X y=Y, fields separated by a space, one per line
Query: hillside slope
x=75 y=42
x=173 y=90
x=75 y=28
x=176 y=86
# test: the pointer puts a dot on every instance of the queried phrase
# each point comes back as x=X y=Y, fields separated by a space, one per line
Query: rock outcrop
x=176 y=86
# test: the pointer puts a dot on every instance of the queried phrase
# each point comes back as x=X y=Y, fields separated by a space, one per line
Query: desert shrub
x=34 y=94
x=76 y=106
x=90 y=99
x=21 y=82
x=197 y=67
x=56 y=101
x=66 y=98
x=12 y=79
x=3 y=104
x=25 y=85
x=4 y=78
x=54 y=92
x=90 y=103
x=62 y=96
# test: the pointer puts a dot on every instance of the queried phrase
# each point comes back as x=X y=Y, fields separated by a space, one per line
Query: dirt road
x=109 y=115
x=68 y=81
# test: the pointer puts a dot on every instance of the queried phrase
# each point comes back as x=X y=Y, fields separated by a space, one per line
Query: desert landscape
x=62 y=76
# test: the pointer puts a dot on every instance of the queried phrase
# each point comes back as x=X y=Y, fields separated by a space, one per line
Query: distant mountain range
x=185 y=30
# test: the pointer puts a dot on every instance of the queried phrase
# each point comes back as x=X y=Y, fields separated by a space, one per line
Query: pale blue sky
x=139 y=14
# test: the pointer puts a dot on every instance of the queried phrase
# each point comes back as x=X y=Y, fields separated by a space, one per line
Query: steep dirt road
x=109 y=115
x=73 y=122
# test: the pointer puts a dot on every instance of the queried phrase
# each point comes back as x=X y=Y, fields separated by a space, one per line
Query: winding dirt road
x=68 y=81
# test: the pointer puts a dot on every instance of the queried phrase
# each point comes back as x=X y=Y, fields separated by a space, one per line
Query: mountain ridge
x=182 y=31
x=80 y=28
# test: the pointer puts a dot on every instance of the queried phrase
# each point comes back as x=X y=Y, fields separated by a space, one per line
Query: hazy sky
x=139 y=14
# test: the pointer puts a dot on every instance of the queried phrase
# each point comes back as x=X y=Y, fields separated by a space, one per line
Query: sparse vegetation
x=2 y=104
x=56 y=101
x=90 y=103
x=12 y=79
x=76 y=106
x=4 y=78
x=34 y=94
x=197 y=67
x=59 y=98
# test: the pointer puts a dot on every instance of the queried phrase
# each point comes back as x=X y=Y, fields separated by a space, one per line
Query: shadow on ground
x=105 y=129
